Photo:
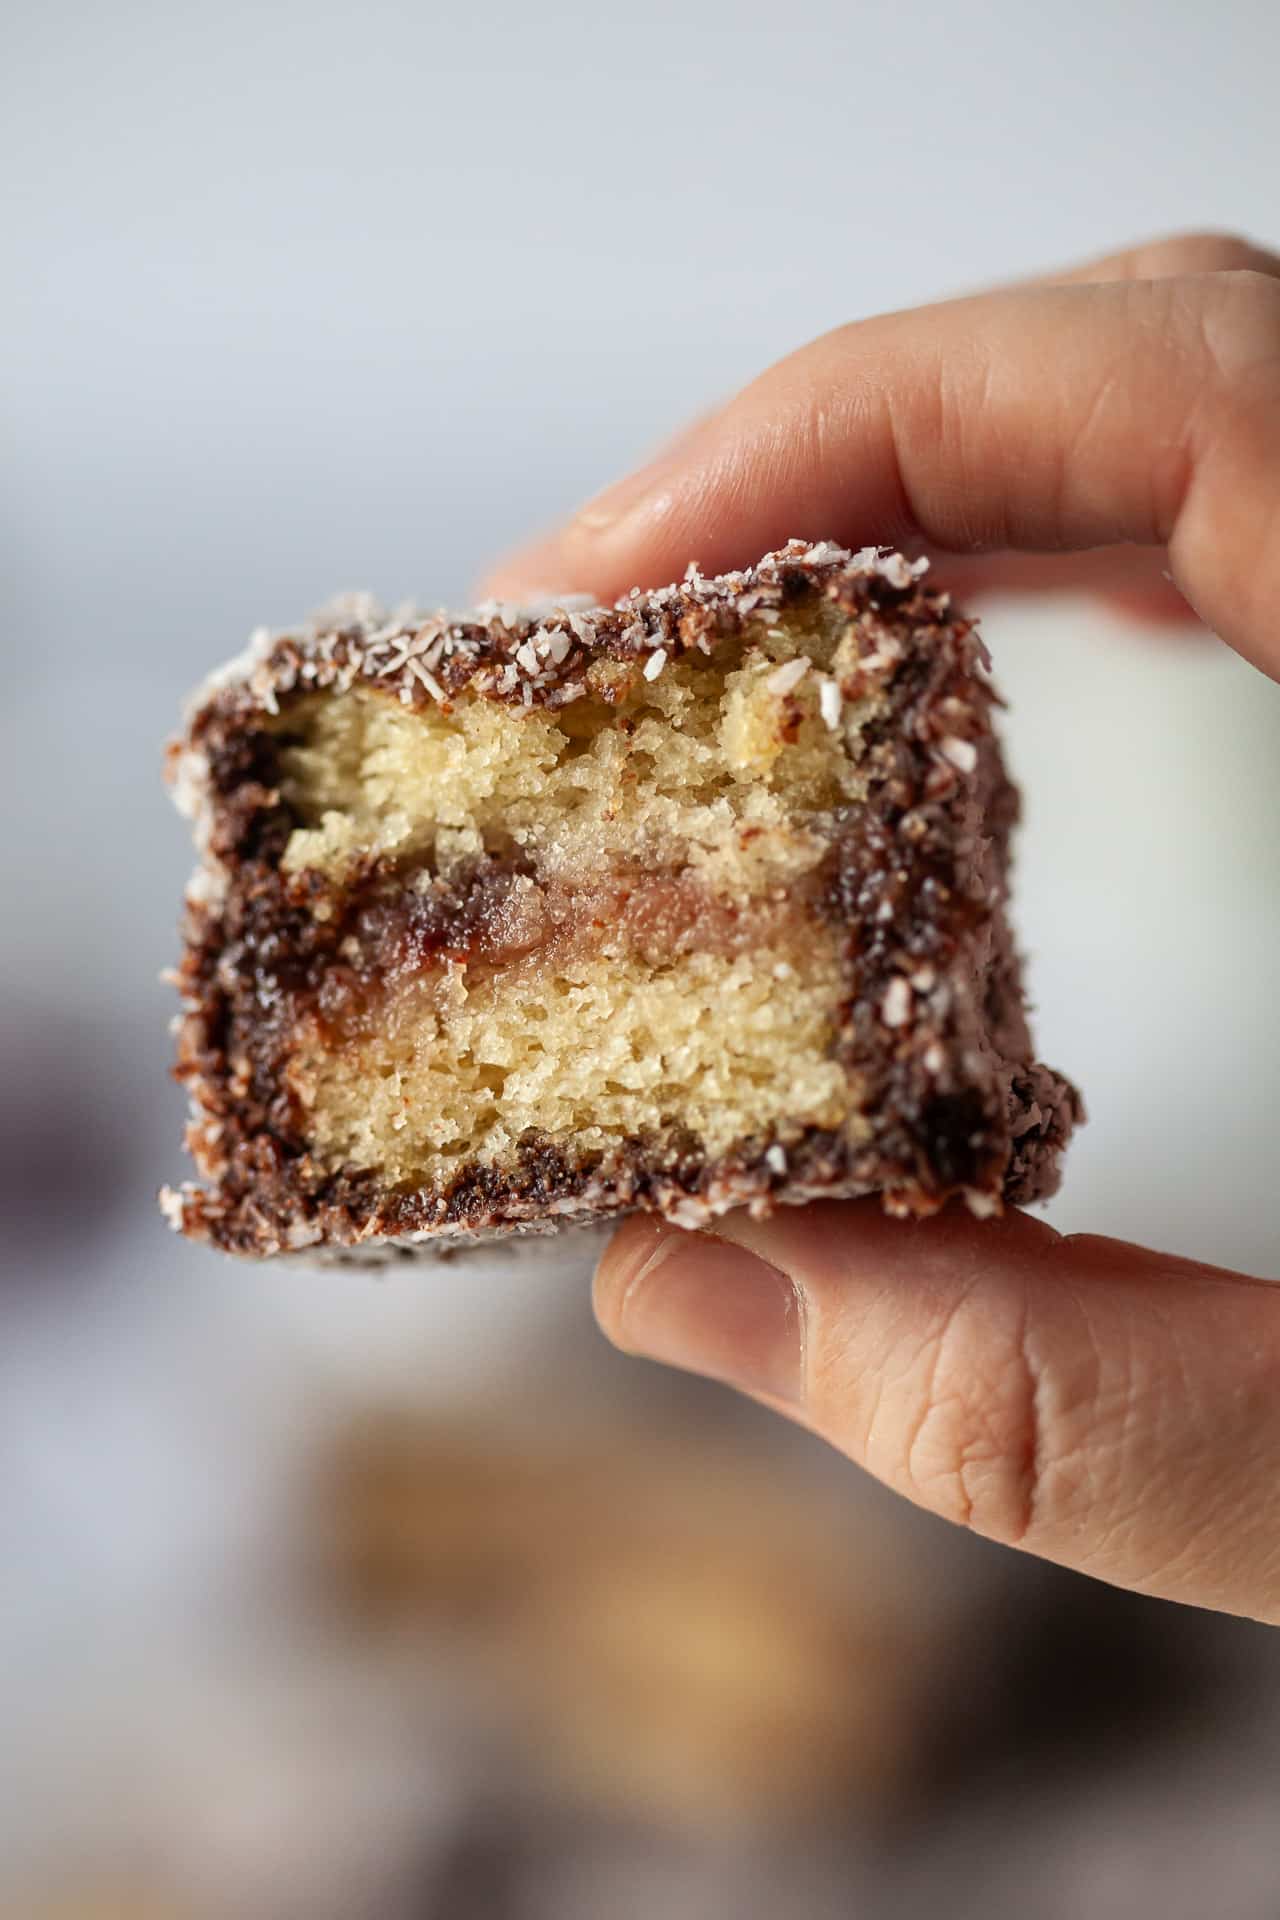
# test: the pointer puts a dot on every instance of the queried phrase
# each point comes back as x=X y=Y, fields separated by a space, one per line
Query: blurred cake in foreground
x=521 y=918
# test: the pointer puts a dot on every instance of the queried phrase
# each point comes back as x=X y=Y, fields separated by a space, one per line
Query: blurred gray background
x=302 y=298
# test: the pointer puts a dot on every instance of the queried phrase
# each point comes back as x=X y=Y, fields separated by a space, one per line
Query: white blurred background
x=302 y=298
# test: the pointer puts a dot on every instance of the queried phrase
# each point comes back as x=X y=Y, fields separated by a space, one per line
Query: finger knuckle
x=1206 y=250
x=994 y=1436
x=1256 y=295
x=1239 y=323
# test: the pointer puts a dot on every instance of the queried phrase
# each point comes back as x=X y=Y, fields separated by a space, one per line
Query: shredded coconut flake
x=962 y=754
x=786 y=678
x=897 y=571
x=172 y=1207
x=428 y=680
x=655 y=663
x=895 y=1007
x=776 y=1160
x=830 y=702
x=887 y=654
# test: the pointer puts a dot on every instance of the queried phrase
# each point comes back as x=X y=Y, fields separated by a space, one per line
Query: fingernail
x=712 y=1308
x=646 y=486
x=622 y=499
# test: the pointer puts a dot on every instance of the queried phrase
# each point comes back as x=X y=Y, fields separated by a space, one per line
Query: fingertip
x=524 y=577
x=706 y=1305
x=629 y=1250
x=577 y=558
x=640 y=532
x=1154 y=607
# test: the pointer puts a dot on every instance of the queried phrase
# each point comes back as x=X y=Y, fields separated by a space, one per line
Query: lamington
x=526 y=917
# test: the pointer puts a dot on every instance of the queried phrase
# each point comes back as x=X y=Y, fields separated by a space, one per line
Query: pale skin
x=1115 y=428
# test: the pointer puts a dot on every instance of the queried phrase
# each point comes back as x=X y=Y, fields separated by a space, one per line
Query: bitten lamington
x=525 y=917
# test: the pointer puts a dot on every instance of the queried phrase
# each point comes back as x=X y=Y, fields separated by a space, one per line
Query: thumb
x=1109 y=1408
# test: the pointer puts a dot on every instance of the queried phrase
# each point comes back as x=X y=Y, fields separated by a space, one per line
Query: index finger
x=1041 y=419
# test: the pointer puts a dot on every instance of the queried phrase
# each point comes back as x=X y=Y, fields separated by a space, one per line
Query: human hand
x=1117 y=428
